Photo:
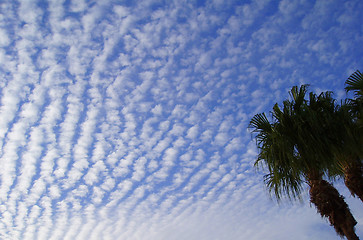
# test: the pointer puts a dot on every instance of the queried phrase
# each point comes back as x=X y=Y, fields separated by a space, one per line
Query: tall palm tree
x=292 y=150
x=353 y=167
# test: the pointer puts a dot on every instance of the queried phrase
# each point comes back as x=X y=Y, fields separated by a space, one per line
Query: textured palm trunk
x=353 y=178
x=330 y=204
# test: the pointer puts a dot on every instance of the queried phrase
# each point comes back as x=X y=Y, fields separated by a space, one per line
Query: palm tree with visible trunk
x=352 y=166
x=294 y=151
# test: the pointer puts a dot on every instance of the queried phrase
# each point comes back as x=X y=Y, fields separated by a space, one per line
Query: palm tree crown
x=290 y=146
x=301 y=144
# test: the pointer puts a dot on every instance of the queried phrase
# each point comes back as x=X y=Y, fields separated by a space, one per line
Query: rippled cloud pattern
x=128 y=119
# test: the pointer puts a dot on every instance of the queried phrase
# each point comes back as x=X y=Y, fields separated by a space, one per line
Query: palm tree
x=292 y=149
x=353 y=167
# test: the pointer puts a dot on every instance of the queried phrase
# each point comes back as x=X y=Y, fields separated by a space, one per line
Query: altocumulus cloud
x=128 y=119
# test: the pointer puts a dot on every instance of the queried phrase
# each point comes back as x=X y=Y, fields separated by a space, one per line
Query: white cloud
x=4 y=39
x=192 y=132
x=78 y=6
x=221 y=138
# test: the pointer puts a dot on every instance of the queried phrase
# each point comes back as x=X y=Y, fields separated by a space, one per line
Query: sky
x=129 y=119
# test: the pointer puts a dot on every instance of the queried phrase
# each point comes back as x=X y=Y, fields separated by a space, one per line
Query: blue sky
x=128 y=119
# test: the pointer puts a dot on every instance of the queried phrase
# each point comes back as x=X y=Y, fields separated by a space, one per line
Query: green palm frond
x=355 y=83
x=282 y=184
x=261 y=126
x=276 y=112
x=260 y=122
x=298 y=94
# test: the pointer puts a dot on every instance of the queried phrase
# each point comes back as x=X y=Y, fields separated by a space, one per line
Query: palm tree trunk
x=330 y=204
x=353 y=178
